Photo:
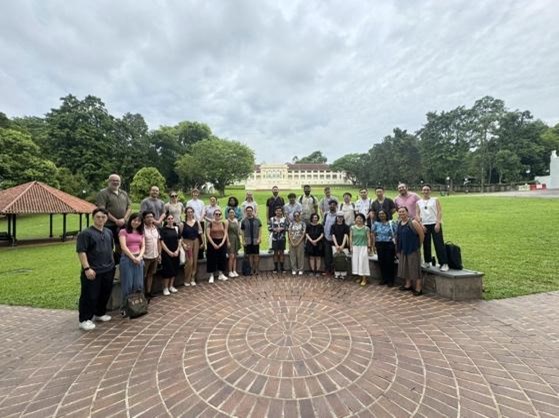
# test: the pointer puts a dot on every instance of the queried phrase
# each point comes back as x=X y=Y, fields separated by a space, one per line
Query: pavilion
x=39 y=198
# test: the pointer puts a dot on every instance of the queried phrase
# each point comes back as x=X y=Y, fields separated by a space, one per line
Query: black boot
x=281 y=268
x=276 y=267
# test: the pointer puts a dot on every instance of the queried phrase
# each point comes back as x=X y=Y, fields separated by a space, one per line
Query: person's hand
x=120 y=222
x=437 y=227
x=258 y=241
x=137 y=260
x=159 y=259
x=424 y=228
x=90 y=274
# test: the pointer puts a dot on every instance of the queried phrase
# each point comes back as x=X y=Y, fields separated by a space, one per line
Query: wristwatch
x=86 y=268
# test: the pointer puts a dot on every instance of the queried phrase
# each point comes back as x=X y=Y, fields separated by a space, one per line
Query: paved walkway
x=269 y=347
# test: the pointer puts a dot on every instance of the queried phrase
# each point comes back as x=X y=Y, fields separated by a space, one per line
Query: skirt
x=409 y=266
x=170 y=266
x=360 y=261
x=234 y=244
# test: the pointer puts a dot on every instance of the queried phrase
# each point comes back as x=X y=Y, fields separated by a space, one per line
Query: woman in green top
x=360 y=244
x=233 y=241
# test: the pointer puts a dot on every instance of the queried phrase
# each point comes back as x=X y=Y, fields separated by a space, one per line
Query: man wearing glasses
x=94 y=246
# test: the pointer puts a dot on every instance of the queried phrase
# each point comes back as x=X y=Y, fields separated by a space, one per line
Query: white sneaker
x=87 y=325
x=193 y=283
x=102 y=318
x=300 y=272
x=166 y=292
x=294 y=272
x=211 y=278
x=236 y=274
x=444 y=267
x=186 y=284
x=173 y=289
x=222 y=277
x=425 y=265
x=231 y=274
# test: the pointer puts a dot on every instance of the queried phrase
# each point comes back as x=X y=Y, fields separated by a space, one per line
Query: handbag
x=136 y=305
x=454 y=256
x=182 y=256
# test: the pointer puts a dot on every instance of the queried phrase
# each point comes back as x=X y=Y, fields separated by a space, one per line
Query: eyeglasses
x=173 y=195
x=217 y=214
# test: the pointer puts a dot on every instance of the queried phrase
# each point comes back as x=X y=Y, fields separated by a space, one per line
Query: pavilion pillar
x=50 y=224
x=14 y=237
x=9 y=216
x=63 y=227
x=81 y=223
x=87 y=220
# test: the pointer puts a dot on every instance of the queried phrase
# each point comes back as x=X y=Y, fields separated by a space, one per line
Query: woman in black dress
x=315 y=236
x=169 y=236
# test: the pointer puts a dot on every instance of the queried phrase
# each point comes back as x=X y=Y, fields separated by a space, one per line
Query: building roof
x=37 y=197
x=303 y=166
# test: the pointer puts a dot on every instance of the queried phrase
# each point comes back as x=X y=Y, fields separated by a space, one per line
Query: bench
x=69 y=234
x=4 y=236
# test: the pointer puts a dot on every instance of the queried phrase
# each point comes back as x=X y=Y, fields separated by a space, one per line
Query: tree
x=508 y=165
x=74 y=184
x=4 y=121
x=144 y=179
x=218 y=161
x=36 y=127
x=351 y=164
x=21 y=160
x=315 y=157
x=189 y=170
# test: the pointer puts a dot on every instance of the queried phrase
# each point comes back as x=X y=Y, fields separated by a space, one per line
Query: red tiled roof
x=37 y=197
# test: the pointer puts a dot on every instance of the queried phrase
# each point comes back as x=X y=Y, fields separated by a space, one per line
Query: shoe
x=193 y=283
x=231 y=275
x=390 y=284
x=300 y=272
x=102 y=318
x=211 y=278
x=87 y=325
x=186 y=284
x=444 y=267
x=363 y=282
x=404 y=288
x=382 y=283
x=166 y=292
x=417 y=292
x=236 y=274
x=173 y=289
x=222 y=277
x=294 y=272
x=425 y=265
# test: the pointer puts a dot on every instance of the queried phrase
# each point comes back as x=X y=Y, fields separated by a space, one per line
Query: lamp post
x=448 y=185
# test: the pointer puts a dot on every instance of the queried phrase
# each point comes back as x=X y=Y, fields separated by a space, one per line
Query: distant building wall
x=553 y=171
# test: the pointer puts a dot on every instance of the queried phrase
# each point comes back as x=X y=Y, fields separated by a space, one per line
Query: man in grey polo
x=155 y=205
x=118 y=206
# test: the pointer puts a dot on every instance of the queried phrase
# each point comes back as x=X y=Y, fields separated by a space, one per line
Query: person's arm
x=418 y=215
x=439 y=216
x=302 y=235
x=166 y=249
x=208 y=237
x=89 y=272
x=418 y=230
x=123 y=247
x=350 y=239
x=259 y=233
x=142 y=248
x=373 y=238
x=344 y=242
x=369 y=240
x=226 y=235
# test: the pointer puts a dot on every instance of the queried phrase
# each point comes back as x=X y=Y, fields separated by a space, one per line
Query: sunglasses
x=217 y=214
x=173 y=195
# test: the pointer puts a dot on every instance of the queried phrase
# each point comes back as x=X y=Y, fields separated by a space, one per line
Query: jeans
x=131 y=277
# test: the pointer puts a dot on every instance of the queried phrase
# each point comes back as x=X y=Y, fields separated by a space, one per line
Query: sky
x=284 y=77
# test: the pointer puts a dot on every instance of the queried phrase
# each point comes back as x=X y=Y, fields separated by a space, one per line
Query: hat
x=339 y=213
x=332 y=201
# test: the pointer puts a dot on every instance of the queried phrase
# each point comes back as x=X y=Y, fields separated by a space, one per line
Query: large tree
x=218 y=161
x=352 y=164
x=21 y=160
x=315 y=157
x=143 y=180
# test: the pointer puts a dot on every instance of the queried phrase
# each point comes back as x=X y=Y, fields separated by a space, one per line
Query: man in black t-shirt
x=273 y=201
x=384 y=203
x=94 y=246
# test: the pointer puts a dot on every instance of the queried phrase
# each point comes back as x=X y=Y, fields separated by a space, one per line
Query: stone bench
x=453 y=284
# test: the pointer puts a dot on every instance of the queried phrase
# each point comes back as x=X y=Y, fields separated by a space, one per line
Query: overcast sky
x=284 y=77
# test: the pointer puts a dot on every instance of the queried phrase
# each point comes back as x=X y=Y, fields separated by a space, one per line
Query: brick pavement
x=287 y=347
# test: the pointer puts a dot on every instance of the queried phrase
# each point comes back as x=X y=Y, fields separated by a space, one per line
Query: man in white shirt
x=363 y=204
x=199 y=209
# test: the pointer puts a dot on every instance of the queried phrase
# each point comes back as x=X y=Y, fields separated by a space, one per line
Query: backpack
x=246 y=269
x=314 y=201
x=136 y=305
x=454 y=256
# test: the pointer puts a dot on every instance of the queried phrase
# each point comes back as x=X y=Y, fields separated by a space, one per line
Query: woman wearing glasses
x=174 y=207
x=216 y=235
x=431 y=216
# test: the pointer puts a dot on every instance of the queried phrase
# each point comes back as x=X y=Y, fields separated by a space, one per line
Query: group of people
x=168 y=235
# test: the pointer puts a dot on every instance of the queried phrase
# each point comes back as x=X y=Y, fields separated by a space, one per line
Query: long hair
x=140 y=228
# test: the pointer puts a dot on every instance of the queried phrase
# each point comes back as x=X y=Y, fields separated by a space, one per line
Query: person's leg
x=211 y=261
x=231 y=264
x=126 y=278
x=391 y=268
x=293 y=258
x=105 y=290
x=195 y=253
x=300 y=258
x=380 y=246
x=138 y=277
x=276 y=260
x=88 y=297
x=149 y=270
x=328 y=257
x=257 y=263
x=427 y=244
x=200 y=241
x=222 y=260
x=440 y=249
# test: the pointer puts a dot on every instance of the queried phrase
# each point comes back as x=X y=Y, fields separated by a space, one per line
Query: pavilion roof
x=37 y=197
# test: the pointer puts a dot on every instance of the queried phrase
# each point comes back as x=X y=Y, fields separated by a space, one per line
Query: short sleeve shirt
x=98 y=247
x=409 y=202
x=115 y=203
x=251 y=230
x=154 y=205
x=198 y=206
x=151 y=240
x=133 y=240
x=290 y=209
x=387 y=206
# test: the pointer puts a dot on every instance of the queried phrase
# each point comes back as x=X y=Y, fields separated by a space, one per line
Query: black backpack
x=454 y=256
x=246 y=269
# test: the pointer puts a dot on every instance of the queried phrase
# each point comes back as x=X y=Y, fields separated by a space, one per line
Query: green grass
x=508 y=239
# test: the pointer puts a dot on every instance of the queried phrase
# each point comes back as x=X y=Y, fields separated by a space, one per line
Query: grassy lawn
x=506 y=238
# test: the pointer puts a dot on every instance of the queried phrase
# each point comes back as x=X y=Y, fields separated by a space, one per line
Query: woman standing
x=431 y=218
x=233 y=241
x=131 y=239
x=384 y=237
x=314 y=246
x=170 y=255
x=233 y=203
x=340 y=241
x=190 y=241
x=409 y=237
x=216 y=235
x=360 y=243
x=277 y=226
x=296 y=234
x=249 y=202
x=174 y=207
x=210 y=209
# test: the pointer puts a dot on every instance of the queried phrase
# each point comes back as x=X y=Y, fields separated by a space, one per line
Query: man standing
x=363 y=204
x=155 y=205
x=383 y=203
x=293 y=206
x=118 y=206
x=407 y=199
x=251 y=237
x=348 y=208
x=329 y=220
x=199 y=212
x=309 y=204
x=94 y=246
x=271 y=204
x=324 y=204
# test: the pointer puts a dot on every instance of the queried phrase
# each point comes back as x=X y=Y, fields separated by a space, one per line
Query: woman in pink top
x=132 y=243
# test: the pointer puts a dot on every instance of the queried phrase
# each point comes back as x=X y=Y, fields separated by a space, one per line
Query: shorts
x=252 y=249
x=278 y=245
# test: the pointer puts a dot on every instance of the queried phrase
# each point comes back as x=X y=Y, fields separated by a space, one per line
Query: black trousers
x=117 y=251
x=438 y=240
x=386 y=253
x=95 y=294
x=201 y=240
x=216 y=259
x=328 y=257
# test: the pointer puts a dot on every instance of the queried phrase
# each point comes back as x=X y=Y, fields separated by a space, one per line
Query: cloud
x=286 y=78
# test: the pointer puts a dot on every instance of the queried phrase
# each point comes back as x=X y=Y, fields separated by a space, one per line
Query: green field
x=506 y=238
